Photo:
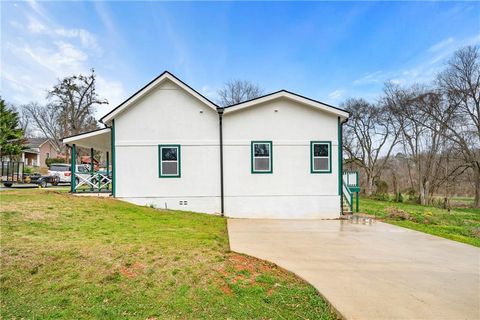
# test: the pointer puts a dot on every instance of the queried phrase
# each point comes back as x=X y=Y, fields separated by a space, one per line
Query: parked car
x=64 y=171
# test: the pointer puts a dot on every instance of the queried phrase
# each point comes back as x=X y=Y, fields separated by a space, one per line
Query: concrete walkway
x=370 y=271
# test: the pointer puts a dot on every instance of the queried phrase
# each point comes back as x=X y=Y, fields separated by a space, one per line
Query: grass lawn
x=81 y=258
x=461 y=224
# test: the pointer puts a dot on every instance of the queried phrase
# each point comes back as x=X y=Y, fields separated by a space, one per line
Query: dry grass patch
x=77 y=258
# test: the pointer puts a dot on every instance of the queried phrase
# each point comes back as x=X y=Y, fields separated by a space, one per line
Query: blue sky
x=325 y=50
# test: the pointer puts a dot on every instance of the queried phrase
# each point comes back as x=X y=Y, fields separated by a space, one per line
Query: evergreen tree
x=11 y=133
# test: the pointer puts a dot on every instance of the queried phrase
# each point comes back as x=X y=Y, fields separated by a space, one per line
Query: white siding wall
x=168 y=115
x=291 y=191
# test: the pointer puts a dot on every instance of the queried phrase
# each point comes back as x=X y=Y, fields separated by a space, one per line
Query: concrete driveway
x=370 y=271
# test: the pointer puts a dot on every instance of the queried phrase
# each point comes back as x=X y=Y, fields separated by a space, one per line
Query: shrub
x=400 y=197
x=381 y=196
x=49 y=161
x=381 y=187
x=28 y=170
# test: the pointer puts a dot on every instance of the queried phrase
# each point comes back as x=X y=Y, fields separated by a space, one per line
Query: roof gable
x=37 y=142
x=287 y=95
x=151 y=86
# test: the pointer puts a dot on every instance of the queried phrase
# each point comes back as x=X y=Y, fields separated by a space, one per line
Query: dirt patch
x=132 y=271
x=226 y=289
x=476 y=232
x=398 y=214
x=241 y=263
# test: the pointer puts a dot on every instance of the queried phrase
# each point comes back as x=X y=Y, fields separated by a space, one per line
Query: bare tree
x=76 y=98
x=237 y=91
x=460 y=84
x=70 y=109
x=369 y=138
x=422 y=138
x=46 y=120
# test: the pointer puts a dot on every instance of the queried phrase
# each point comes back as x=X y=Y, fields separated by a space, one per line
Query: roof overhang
x=290 y=96
x=165 y=76
x=31 y=151
x=98 y=139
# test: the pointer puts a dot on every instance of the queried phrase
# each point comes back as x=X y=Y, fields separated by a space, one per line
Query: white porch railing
x=347 y=196
x=96 y=181
x=350 y=178
x=350 y=186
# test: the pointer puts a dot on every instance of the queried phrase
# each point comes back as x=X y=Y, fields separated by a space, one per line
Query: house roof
x=150 y=86
x=99 y=139
x=239 y=106
x=86 y=159
x=290 y=96
x=36 y=142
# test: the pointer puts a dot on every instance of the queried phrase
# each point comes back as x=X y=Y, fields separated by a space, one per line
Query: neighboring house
x=38 y=150
x=86 y=160
x=276 y=156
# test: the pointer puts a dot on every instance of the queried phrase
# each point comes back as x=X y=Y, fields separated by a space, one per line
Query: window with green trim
x=261 y=156
x=169 y=161
x=320 y=157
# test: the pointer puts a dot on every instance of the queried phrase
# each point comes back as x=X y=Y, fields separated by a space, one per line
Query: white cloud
x=38 y=53
x=113 y=91
x=87 y=40
x=36 y=27
x=209 y=92
x=442 y=44
x=374 y=77
x=425 y=68
x=336 y=94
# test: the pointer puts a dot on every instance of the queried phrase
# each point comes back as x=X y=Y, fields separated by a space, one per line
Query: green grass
x=461 y=224
x=97 y=258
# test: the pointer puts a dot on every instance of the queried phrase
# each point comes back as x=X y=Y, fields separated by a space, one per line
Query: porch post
x=340 y=162
x=108 y=170
x=91 y=169
x=112 y=136
x=73 y=156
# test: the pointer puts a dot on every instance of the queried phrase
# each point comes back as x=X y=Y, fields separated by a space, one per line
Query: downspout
x=220 y=118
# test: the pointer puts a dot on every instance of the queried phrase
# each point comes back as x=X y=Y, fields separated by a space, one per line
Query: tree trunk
x=423 y=192
x=395 y=187
x=476 y=175
x=369 y=186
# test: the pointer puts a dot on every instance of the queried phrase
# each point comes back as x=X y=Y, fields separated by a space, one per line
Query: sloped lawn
x=82 y=258
x=460 y=224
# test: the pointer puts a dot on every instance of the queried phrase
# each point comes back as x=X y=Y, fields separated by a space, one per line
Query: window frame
x=252 y=157
x=160 y=161
x=312 y=157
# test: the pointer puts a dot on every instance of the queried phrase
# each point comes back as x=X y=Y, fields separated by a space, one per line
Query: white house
x=276 y=156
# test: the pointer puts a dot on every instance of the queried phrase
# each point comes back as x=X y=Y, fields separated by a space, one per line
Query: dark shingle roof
x=35 y=142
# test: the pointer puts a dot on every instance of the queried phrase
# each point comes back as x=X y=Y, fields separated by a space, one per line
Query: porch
x=95 y=177
x=350 y=192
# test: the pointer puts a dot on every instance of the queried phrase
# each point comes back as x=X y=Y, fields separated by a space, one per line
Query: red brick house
x=39 y=149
